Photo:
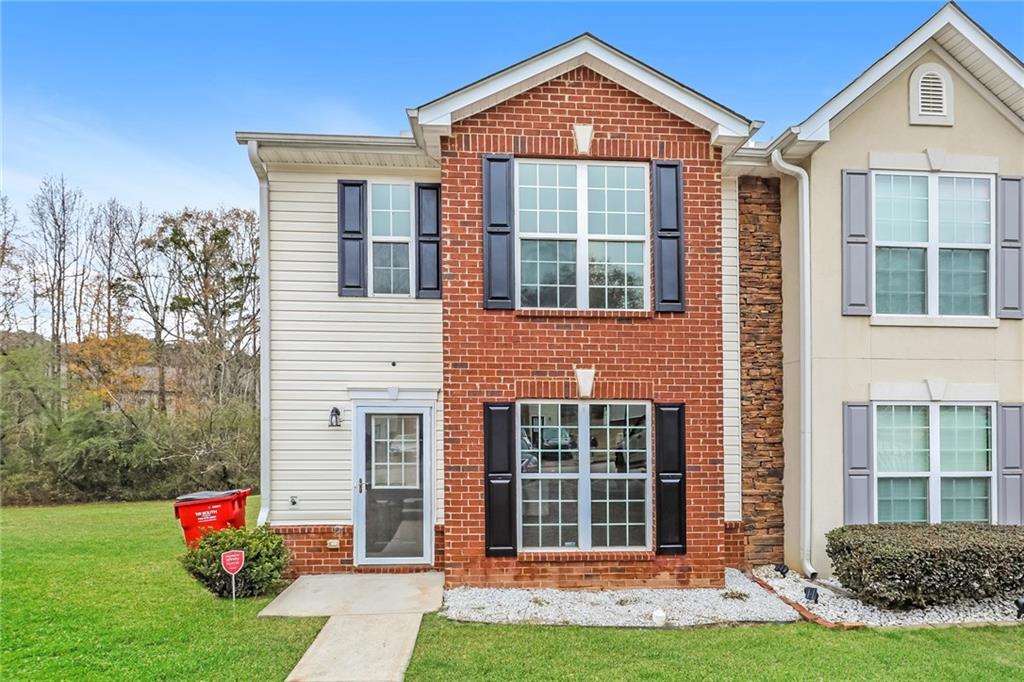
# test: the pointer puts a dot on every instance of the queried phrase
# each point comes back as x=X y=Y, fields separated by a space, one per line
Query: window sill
x=925 y=321
x=568 y=312
x=534 y=556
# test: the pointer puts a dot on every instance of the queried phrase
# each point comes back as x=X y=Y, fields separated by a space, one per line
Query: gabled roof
x=432 y=120
x=954 y=33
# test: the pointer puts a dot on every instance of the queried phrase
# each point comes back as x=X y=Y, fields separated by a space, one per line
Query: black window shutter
x=499 y=239
x=670 y=478
x=499 y=479
x=669 y=242
x=351 y=238
x=428 y=241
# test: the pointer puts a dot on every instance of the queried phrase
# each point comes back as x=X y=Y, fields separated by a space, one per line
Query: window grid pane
x=901 y=277
x=902 y=438
x=963 y=282
x=618 y=512
x=901 y=208
x=618 y=439
x=549 y=438
x=965 y=438
x=390 y=211
x=395 y=453
x=547 y=198
x=965 y=500
x=902 y=500
x=550 y=513
x=616 y=200
x=616 y=275
x=547 y=273
x=391 y=268
x=965 y=210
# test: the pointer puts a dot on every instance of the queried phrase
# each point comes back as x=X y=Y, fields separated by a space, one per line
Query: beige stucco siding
x=849 y=353
x=322 y=345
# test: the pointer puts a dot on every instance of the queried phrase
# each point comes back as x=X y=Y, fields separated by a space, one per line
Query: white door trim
x=360 y=409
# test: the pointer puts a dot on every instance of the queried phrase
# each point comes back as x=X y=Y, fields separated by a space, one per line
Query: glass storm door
x=392 y=486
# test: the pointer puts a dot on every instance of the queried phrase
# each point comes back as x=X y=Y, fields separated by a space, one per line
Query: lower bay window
x=934 y=462
x=584 y=475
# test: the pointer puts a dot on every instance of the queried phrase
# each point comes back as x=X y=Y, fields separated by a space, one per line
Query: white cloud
x=104 y=163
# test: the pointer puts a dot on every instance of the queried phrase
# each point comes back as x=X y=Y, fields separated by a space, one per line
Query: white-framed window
x=584 y=475
x=391 y=236
x=934 y=242
x=395 y=451
x=931 y=95
x=934 y=462
x=582 y=235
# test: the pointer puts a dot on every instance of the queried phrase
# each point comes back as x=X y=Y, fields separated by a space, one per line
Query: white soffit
x=339 y=150
x=584 y=50
x=964 y=40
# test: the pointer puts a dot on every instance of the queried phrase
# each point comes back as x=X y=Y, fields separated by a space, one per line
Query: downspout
x=806 y=404
x=264 y=273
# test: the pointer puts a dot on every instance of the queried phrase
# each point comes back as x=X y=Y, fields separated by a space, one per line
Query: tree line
x=129 y=349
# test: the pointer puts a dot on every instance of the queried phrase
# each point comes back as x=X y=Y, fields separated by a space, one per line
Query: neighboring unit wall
x=505 y=355
x=760 y=247
x=322 y=345
x=731 y=350
x=851 y=353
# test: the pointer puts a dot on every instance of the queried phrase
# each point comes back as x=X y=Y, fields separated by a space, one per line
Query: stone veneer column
x=760 y=216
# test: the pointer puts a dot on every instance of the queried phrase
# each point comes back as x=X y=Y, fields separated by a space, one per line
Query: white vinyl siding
x=322 y=345
x=731 y=416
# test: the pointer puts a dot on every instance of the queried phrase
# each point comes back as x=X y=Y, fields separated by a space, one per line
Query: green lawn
x=95 y=592
x=459 y=651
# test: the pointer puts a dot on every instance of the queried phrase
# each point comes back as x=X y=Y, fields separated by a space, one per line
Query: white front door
x=392 y=475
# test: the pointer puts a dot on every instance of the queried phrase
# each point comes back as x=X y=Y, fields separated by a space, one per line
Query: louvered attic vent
x=931 y=96
x=932 y=93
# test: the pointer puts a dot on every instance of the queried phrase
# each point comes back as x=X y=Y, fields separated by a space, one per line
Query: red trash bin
x=210 y=510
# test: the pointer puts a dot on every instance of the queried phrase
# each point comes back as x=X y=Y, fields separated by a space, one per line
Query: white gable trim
x=816 y=127
x=583 y=51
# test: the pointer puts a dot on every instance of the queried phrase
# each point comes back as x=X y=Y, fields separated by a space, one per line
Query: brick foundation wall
x=310 y=554
x=735 y=545
x=760 y=215
x=505 y=355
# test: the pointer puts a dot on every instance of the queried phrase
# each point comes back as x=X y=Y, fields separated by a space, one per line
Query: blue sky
x=141 y=100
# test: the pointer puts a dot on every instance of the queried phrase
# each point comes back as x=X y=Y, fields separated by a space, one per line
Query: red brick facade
x=505 y=355
x=310 y=554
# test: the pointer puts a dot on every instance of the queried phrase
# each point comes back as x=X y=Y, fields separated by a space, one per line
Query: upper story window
x=391 y=222
x=931 y=96
x=582 y=235
x=934 y=462
x=933 y=242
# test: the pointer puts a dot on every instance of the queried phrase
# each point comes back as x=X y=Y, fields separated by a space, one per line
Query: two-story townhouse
x=576 y=330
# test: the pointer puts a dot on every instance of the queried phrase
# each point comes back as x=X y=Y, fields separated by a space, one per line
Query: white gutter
x=806 y=405
x=264 y=273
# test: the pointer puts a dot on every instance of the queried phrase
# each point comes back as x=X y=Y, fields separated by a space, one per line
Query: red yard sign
x=232 y=561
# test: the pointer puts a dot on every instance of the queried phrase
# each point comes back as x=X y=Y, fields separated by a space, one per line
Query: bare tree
x=58 y=213
x=11 y=269
x=147 y=279
x=110 y=305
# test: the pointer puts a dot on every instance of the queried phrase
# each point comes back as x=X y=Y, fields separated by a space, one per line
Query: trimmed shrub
x=903 y=566
x=265 y=560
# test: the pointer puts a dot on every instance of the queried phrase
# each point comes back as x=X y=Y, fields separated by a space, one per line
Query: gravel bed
x=836 y=605
x=620 y=608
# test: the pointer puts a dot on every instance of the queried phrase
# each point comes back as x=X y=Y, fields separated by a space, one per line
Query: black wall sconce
x=335 y=419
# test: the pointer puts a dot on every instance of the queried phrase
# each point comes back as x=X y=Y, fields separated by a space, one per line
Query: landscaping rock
x=620 y=608
x=836 y=605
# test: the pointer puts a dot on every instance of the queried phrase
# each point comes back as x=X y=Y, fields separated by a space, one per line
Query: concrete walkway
x=372 y=626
